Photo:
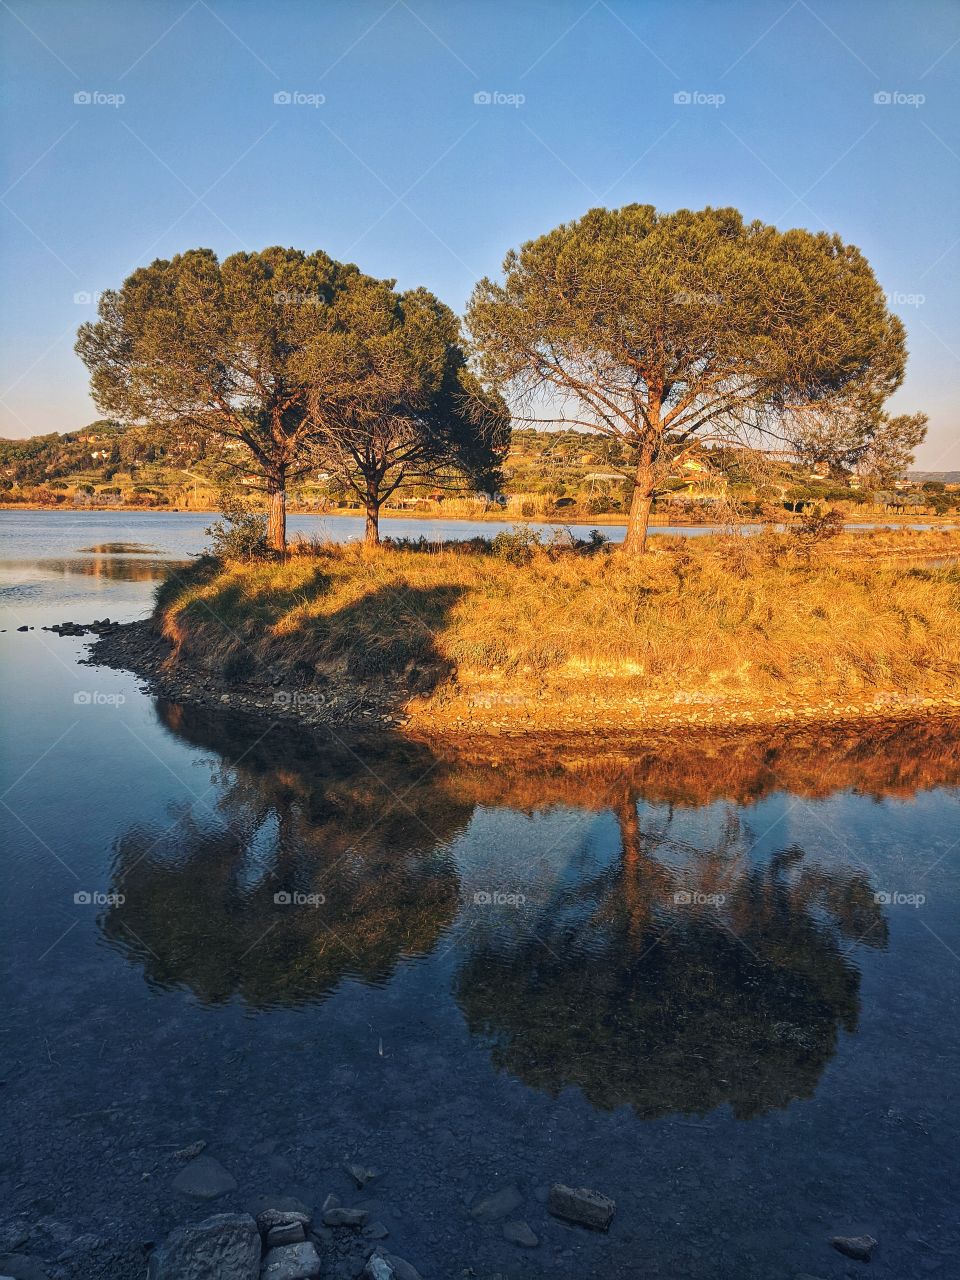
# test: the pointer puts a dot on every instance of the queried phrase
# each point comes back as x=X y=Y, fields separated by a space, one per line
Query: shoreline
x=345 y=704
x=503 y=517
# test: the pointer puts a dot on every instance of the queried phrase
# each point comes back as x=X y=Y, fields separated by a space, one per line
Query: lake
x=714 y=978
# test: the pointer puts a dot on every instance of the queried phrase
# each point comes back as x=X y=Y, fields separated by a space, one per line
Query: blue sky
x=399 y=169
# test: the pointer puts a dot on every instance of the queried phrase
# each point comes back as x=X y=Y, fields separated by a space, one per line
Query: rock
x=224 y=1247
x=579 y=1204
x=857 y=1247
x=291 y=1262
x=360 y=1174
x=23 y=628
x=286 y=1233
x=345 y=1217
x=188 y=1153
x=204 y=1179
x=375 y=1231
x=519 y=1233
x=285 y=1207
x=387 y=1266
x=496 y=1205
x=267 y=1219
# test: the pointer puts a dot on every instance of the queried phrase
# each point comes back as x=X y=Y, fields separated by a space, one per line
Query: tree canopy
x=668 y=329
x=394 y=401
x=290 y=354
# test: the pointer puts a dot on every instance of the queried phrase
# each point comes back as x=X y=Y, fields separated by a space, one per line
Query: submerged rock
x=360 y=1174
x=857 y=1247
x=496 y=1205
x=579 y=1204
x=224 y=1247
x=519 y=1233
x=204 y=1179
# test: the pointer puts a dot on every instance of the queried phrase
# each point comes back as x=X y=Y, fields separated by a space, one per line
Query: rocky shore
x=337 y=700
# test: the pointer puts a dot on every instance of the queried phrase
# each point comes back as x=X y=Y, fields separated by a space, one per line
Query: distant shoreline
x=613 y=521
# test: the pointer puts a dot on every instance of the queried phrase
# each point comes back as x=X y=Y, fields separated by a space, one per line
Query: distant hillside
x=945 y=477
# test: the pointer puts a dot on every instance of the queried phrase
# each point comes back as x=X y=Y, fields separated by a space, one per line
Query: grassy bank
x=711 y=630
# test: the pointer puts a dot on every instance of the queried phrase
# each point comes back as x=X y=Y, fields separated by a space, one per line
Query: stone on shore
x=345 y=1217
x=285 y=1233
x=224 y=1247
x=579 y=1204
x=382 y=1265
x=291 y=1262
x=204 y=1179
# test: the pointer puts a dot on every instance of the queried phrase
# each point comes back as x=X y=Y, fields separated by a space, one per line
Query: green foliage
x=242 y=532
x=516 y=546
x=658 y=329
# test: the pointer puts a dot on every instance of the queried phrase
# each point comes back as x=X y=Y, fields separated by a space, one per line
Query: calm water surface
x=716 y=980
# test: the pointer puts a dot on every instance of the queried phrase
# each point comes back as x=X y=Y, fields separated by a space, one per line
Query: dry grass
x=708 y=619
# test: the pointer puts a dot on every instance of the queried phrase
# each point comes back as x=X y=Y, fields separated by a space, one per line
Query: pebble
x=857 y=1247
x=520 y=1234
x=204 y=1179
x=579 y=1204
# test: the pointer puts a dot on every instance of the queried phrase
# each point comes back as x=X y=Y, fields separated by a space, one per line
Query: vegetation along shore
x=518 y=635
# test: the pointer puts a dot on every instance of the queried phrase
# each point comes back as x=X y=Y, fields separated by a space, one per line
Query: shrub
x=242 y=533
x=516 y=546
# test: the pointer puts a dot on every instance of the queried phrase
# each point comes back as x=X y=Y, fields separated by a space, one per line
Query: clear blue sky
x=402 y=172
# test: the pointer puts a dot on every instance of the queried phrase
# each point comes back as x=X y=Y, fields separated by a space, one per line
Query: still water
x=713 y=978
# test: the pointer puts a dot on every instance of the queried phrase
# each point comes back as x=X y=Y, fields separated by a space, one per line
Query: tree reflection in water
x=676 y=976
x=294 y=816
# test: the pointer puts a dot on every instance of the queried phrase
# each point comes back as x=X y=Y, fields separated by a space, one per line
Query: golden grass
x=697 y=621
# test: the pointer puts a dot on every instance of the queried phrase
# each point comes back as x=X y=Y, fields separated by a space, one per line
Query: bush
x=242 y=533
x=517 y=546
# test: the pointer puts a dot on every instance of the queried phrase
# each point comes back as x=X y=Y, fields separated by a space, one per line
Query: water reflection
x=679 y=979
x=317 y=863
x=114 y=568
x=666 y=965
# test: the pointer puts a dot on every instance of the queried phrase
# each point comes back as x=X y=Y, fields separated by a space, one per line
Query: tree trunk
x=635 y=542
x=372 y=534
x=277 y=515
